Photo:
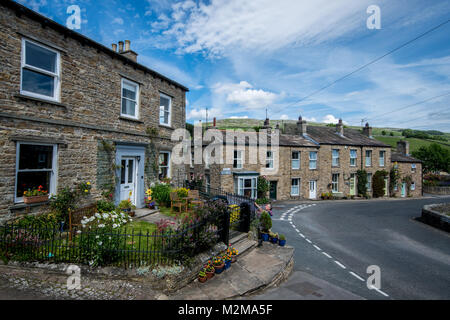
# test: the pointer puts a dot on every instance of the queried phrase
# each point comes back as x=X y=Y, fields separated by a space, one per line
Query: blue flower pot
x=219 y=270
x=227 y=264
x=265 y=236
x=282 y=242
x=274 y=240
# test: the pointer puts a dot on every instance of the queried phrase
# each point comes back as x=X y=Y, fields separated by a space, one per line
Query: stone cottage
x=310 y=161
x=73 y=110
x=410 y=174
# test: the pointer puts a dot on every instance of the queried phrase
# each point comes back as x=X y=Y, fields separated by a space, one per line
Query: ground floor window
x=413 y=186
x=35 y=167
x=164 y=165
x=247 y=186
x=207 y=182
x=369 y=182
x=295 y=187
x=335 y=182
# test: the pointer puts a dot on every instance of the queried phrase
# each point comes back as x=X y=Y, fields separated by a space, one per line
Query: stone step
x=245 y=246
x=238 y=238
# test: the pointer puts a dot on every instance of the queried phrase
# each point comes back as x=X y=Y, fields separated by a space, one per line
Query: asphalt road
x=337 y=241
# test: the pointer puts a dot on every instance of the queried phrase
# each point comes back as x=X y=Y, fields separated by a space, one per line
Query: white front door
x=403 y=190
x=312 y=189
x=128 y=179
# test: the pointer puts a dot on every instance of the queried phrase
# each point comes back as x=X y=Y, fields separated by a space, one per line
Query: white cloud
x=284 y=117
x=238 y=117
x=162 y=23
x=244 y=95
x=118 y=21
x=329 y=118
x=200 y=114
x=263 y=25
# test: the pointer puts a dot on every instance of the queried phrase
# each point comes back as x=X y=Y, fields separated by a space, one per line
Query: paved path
x=338 y=240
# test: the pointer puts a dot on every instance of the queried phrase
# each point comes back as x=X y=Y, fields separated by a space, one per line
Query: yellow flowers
x=86 y=190
x=235 y=213
x=149 y=192
x=88 y=183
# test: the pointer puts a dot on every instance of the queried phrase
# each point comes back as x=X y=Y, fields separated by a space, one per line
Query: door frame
x=136 y=151
x=134 y=174
x=275 y=182
x=315 y=189
x=352 y=190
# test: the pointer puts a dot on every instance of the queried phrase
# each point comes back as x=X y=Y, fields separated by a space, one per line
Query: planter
x=131 y=213
x=265 y=236
x=282 y=242
x=35 y=199
x=274 y=240
x=209 y=275
x=219 y=269
x=227 y=264
x=202 y=279
x=233 y=258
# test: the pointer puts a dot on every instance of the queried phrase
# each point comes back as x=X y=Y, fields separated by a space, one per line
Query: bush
x=378 y=183
x=161 y=194
x=262 y=201
x=105 y=206
x=263 y=186
x=182 y=192
x=266 y=221
x=362 y=182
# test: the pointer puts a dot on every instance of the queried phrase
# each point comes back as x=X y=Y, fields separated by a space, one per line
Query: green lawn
x=414 y=143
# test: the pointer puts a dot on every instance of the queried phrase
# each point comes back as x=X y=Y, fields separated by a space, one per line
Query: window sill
x=130 y=119
x=21 y=205
x=166 y=126
x=25 y=97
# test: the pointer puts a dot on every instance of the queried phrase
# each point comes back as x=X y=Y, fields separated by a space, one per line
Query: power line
x=368 y=64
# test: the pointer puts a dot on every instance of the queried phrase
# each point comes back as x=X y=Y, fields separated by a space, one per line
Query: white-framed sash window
x=353 y=156
x=237 y=159
x=313 y=160
x=295 y=187
x=36 y=166
x=247 y=186
x=335 y=157
x=368 y=158
x=164 y=165
x=130 y=99
x=295 y=160
x=269 y=160
x=165 y=109
x=369 y=182
x=40 y=71
x=335 y=182
x=382 y=158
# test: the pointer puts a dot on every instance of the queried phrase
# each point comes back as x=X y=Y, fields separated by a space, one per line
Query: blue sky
x=240 y=57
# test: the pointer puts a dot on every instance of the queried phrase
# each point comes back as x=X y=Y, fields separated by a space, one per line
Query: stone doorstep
x=245 y=246
x=140 y=213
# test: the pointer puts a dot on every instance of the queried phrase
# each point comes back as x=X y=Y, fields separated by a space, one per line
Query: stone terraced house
x=73 y=110
x=311 y=160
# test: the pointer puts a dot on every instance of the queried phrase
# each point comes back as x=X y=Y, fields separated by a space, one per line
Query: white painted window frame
x=137 y=101
x=237 y=156
x=335 y=157
x=382 y=159
x=253 y=188
x=169 y=124
x=169 y=164
x=295 y=189
x=295 y=163
x=53 y=170
x=335 y=184
x=368 y=159
x=353 y=158
x=56 y=75
x=269 y=159
x=313 y=160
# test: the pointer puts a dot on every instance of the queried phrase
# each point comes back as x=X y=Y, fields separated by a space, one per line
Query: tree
x=383 y=132
x=434 y=157
x=378 y=184
x=362 y=182
x=391 y=134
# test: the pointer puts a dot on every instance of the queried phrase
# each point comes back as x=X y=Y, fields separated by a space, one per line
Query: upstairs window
x=353 y=156
x=368 y=158
x=164 y=165
x=36 y=166
x=335 y=158
x=165 y=109
x=296 y=160
x=313 y=160
x=237 y=160
x=382 y=153
x=130 y=99
x=269 y=160
x=40 y=76
x=413 y=167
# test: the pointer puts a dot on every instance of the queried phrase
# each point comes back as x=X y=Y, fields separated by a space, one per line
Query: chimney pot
x=301 y=126
x=120 y=46
x=340 y=128
x=127 y=45
x=403 y=147
x=367 y=131
x=114 y=47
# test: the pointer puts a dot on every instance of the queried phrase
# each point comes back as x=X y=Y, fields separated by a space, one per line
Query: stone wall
x=89 y=111
x=416 y=176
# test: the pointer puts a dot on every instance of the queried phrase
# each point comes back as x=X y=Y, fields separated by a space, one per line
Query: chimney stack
x=340 y=128
x=114 y=47
x=214 y=122
x=127 y=52
x=120 y=46
x=367 y=131
x=403 y=147
x=127 y=45
x=301 y=126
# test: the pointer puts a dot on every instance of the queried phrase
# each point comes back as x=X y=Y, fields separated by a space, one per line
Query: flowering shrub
x=235 y=213
x=232 y=251
x=182 y=192
x=217 y=261
x=161 y=194
x=99 y=239
x=35 y=192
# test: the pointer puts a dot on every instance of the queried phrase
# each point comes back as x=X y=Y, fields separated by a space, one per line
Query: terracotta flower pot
x=200 y=279
x=219 y=269
x=35 y=199
x=233 y=258
x=209 y=275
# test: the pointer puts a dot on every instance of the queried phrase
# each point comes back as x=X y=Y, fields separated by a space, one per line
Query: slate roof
x=400 y=157
x=351 y=137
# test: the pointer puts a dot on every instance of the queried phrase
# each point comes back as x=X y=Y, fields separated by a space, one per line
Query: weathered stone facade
x=89 y=110
x=369 y=155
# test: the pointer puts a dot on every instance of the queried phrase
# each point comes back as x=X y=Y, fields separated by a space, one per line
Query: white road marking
x=356 y=276
x=317 y=247
x=301 y=235
x=308 y=240
x=340 y=264
x=378 y=290
x=327 y=255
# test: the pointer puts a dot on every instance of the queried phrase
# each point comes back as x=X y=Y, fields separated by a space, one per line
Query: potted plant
x=35 y=195
x=151 y=204
x=273 y=237
x=127 y=206
x=282 y=240
x=218 y=264
x=202 y=276
x=227 y=261
x=266 y=224
x=233 y=253
x=209 y=270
